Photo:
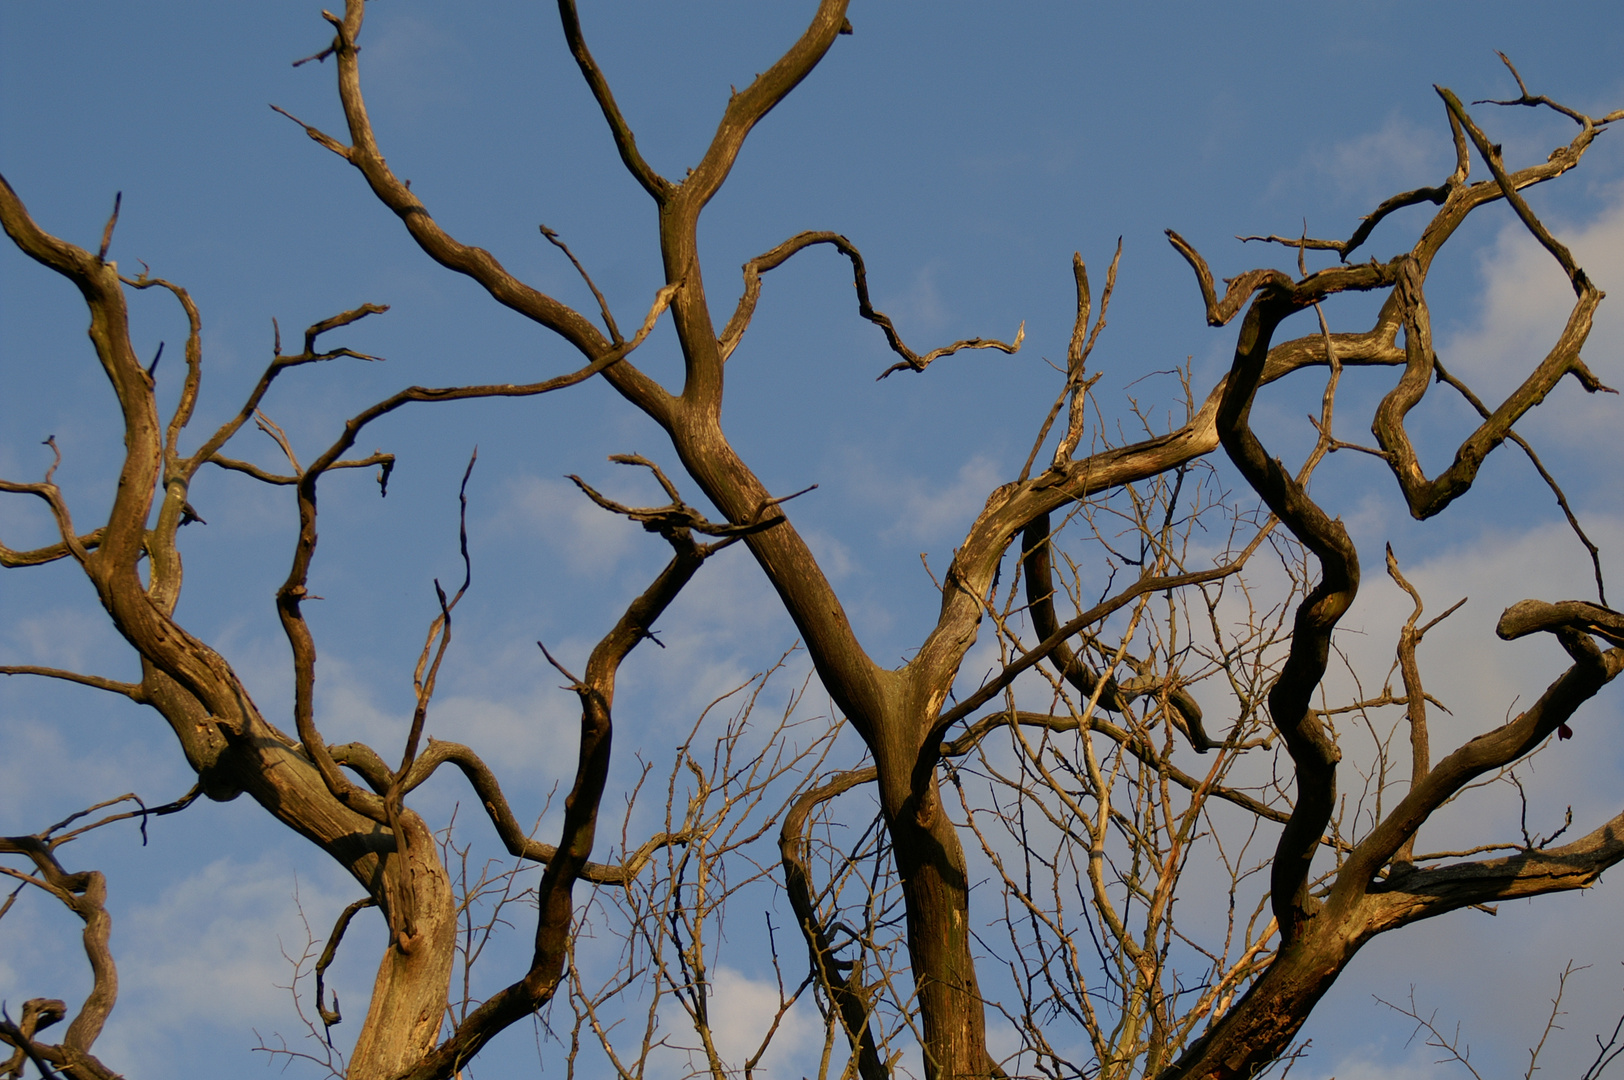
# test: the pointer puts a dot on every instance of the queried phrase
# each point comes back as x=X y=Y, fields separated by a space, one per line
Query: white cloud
x=921 y=308
x=1526 y=302
x=65 y=637
x=1400 y=154
x=210 y=957
x=589 y=538
x=833 y=557
x=1417 y=1063
x=741 y=1011
x=1397 y=156
x=52 y=769
x=922 y=509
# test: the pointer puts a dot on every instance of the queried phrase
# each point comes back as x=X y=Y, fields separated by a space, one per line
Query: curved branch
x=761 y=264
x=330 y=1017
x=291 y=595
x=194 y=363
x=10 y=558
x=1438 y=196
x=1591 y=670
x=85 y=894
x=1532 y=616
x=440 y=752
x=1314 y=754
x=568 y=862
x=1539 y=467
x=279 y=364
x=846 y=990
x=1237 y=290
x=746 y=107
x=1428 y=497
x=248 y=468
x=1036 y=566
x=1367 y=224
x=625 y=142
x=133 y=691
x=1422 y=894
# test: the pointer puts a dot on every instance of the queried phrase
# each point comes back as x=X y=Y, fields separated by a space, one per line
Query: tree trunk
x=936 y=893
x=409 y=995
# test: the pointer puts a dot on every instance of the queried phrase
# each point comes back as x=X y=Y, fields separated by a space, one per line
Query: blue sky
x=968 y=154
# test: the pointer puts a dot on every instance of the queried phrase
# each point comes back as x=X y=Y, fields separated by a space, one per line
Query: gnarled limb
x=1532 y=616
x=842 y=981
x=1313 y=752
x=84 y=893
x=1427 y=497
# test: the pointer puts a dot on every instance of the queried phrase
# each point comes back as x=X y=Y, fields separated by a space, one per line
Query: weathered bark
x=936 y=889
x=349 y=803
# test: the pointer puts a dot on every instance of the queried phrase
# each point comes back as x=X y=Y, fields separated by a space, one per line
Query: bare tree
x=1066 y=767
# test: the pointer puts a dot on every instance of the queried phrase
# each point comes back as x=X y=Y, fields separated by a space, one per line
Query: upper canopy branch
x=98 y=282
x=51 y=495
x=1136 y=742
x=761 y=264
x=625 y=142
x=194 y=363
x=1436 y=195
x=474 y=262
x=1531 y=100
x=1491 y=157
x=746 y=107
x=1427 y=497
x=1237 y=289
x=569 y=861
x=678 y=517
x=280 y=363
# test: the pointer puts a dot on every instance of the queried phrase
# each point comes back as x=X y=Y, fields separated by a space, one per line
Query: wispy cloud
x=921 y=509
x=920 y=308
x=212 y=956
x=589 y=538
x=1367 y=168
x=741 y=1013
x=65 y=637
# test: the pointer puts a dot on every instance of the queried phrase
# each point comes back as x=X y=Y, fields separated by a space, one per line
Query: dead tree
x=1093 y=775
